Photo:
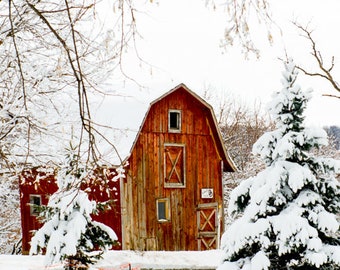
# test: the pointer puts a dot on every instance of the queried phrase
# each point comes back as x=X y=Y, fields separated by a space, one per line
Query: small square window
x=163 y=210
x=174 y=120
x=35 y=200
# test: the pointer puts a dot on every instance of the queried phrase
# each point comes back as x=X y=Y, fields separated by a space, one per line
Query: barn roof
x=124 y=117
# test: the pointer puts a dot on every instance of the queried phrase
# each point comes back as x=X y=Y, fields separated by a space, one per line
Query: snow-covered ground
x=125 y=260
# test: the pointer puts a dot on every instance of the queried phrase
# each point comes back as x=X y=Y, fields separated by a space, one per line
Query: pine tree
x=287 y=212
x=69 y=235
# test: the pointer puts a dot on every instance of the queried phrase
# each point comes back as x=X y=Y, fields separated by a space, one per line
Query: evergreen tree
x=289 y=209
x=69 y=234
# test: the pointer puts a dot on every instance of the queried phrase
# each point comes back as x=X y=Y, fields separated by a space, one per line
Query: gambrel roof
x=130 y=114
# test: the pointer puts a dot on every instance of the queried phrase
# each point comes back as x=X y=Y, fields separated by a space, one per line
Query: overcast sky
x=181 y=41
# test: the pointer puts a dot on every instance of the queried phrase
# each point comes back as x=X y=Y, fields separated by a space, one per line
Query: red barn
x=37 y=184
x=172 y=196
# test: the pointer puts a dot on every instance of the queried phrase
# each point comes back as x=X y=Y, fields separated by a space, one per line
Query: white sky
x=181 y=41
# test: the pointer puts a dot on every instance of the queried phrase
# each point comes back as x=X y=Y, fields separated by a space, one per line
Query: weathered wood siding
x=145 y=182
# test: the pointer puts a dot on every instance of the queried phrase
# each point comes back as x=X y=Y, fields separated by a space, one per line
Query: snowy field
x=125 y=260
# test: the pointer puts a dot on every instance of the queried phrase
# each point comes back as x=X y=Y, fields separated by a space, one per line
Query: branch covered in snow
x=288 y=210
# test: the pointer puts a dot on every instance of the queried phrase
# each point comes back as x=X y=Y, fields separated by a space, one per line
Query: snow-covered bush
x=289 y=209
x=69 y=234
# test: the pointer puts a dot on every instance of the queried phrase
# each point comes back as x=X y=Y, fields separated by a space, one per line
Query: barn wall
x=41 y=181
x=37 y=181
x=146 y=181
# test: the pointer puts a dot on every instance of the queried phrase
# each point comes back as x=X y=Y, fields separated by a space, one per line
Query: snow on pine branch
x=287 y=212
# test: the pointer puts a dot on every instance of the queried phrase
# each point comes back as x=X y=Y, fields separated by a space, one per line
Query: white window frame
x=179 y=121
x=167 y=215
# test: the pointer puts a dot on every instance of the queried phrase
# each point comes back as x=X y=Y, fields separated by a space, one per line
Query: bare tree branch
x=325 y=72
x=75 y=64
x=84 y=107
x=238 y=26
x=17 y=53
x=329 y=95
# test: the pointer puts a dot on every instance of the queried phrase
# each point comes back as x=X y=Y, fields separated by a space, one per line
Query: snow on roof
x=120 y=117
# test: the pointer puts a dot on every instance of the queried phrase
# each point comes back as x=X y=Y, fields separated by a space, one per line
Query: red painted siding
x=41 y=181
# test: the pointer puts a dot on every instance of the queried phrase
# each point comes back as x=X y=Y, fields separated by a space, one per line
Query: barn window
x=35 y=200
x=174 y=121
x=163 y=209
x=174 y=165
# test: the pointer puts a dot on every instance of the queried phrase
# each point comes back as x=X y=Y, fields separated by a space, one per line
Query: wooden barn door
x=208 y=226
x=174 y=165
